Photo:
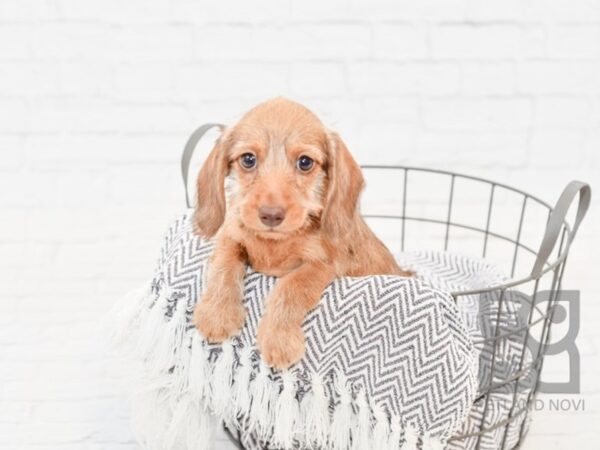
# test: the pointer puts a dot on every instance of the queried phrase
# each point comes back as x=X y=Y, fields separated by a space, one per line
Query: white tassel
x=123 y=317
x=222 y=380
x=183 y=355
x=341 y=424
x=241 y=395
x=381 y=430
x=177 y=427
x=432 y=443
x=362 y=439
x=170 y=339
x=197 y=378
x=200 y=429
x=259 y=419
x=411 y=438
x=315 y=412
x=395 y=433
x=150 y=326
x=287 y=412
x=266 y=430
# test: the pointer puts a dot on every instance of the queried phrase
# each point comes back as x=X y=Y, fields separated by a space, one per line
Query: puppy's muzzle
x=271 y=216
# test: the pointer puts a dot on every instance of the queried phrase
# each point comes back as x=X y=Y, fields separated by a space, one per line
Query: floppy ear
x=345 y=182
x=210 y=190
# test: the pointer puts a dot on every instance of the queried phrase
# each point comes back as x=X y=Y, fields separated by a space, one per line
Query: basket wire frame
x=552 y=269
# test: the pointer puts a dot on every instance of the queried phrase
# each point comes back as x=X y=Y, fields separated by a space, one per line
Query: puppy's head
x=289 y=175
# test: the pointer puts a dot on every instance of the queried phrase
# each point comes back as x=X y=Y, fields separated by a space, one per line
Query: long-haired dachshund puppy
x=292 y=213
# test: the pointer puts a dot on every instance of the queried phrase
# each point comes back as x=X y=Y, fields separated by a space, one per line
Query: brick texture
x=97 y=99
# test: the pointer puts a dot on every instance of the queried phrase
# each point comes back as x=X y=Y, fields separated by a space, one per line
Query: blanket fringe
x=191 y=382
x=169 y=341
x=197 y=377
x=241 y=395
x=124 y=316
x=396 y=434
x=147 y=337
x=381 y=430
x=411 y=438
x=342 y=423
x=222 y=380
x=315 y=412
x=200 y=429
x=259 y=419
x=287 y=412
x=362 y=439
x=181 y=369
x=181 y=411
x=432 y=443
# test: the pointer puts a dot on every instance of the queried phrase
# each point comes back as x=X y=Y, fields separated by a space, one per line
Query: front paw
x=218 y=321
x=281 y=345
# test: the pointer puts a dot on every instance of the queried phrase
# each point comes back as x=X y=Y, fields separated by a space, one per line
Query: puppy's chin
x=271 y=235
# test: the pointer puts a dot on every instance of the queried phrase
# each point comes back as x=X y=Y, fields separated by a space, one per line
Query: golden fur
x=321 y=237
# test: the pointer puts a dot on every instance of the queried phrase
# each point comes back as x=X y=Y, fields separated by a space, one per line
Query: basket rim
x=551 y=265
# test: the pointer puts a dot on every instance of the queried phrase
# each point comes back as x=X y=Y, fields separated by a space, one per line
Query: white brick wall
x=97 y=99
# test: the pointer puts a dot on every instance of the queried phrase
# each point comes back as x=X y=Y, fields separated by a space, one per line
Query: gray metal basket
x=548 y=266
x=544 y=270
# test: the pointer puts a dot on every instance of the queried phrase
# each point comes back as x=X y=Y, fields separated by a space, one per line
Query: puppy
x=292 y=213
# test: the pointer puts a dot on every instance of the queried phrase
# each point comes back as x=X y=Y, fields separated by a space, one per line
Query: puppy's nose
x=271 y=216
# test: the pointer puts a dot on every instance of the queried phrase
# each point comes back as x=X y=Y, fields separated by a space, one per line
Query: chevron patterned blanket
x=390 y=362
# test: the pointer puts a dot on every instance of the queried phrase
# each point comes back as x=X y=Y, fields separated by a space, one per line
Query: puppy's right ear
x=210 y=190
x=345 y=185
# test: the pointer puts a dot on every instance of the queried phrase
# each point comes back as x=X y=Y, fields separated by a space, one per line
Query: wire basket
x=502 y=224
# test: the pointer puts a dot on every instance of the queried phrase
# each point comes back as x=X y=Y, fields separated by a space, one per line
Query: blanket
x=389 y=363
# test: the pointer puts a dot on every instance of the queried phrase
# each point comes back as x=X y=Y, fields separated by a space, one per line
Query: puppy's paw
x=218 y=322
x=281 y=345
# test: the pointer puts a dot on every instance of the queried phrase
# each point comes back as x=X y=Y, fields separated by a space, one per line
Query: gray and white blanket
x=389 y=364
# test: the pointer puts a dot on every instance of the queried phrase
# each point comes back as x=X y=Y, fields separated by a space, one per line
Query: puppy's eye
x=248 y=161
x=305 y=163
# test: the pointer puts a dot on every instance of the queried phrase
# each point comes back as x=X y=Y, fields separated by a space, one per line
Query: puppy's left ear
x=345 y=182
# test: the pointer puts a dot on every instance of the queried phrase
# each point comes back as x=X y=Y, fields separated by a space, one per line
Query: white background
x=98 y=97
